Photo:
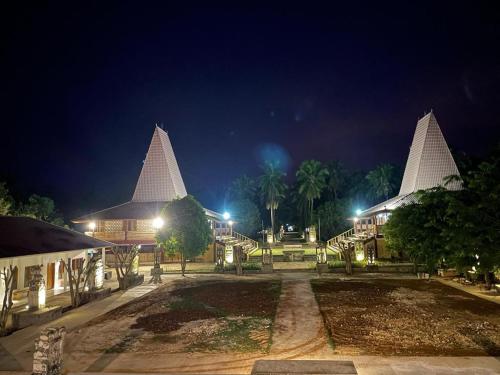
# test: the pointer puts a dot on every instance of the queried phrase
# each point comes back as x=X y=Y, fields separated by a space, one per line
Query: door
x=51 y=272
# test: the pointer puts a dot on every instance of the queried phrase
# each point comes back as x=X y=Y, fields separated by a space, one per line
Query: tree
x=382 y=179
x=272 y=189
x=79 y=273
x=336 y=180
x=347 y=251
x=311 y=178
x=473 y=232
x=247 y=217
x=41 y=208
x=333 y=218
x=126 y=258
x=242 y=188
x=6 y=200
x=170 y=247
x=7 y=280
x=417 y=229
x=186 y=222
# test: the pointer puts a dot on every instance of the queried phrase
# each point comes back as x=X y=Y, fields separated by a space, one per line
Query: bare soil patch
x=406 y=317
x=201 y=316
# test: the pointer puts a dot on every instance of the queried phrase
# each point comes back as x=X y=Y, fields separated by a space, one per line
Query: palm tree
x=336 y=177
x=311 y=177
x=382 y=180
x=242 y=188
x=272 y=188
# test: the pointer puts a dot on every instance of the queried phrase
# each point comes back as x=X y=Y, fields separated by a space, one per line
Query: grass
x=236 y=336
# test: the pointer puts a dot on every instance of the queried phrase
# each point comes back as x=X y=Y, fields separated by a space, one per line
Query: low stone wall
x=25 y=318
x=95 y=295
x=130 y=281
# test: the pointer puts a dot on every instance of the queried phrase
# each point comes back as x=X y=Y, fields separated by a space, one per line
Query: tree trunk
x=272 y=220
x=183 y=264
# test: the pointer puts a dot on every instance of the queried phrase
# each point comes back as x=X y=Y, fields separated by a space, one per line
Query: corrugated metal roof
x=134 y=210
x=26 y=236
x=389 y=205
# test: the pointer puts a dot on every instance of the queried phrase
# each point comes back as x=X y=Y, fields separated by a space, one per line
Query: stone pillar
x=36 y=293
x=48 y=355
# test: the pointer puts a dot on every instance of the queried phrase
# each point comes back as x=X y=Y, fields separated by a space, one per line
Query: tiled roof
x=26 y=236
x=160 y=178
x=430 y=160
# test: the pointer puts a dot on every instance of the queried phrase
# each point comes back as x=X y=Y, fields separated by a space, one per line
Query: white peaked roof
x=430 y=160
x=429 y=163
x=160 y=178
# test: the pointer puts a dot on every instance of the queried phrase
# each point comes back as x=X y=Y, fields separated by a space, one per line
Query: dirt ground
x=406 y=317
x=208 y=316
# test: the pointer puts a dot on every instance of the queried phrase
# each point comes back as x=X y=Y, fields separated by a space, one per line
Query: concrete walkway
x=299 y=331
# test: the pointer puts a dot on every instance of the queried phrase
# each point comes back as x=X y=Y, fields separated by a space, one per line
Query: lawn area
x=406 y=317
x=209 y=316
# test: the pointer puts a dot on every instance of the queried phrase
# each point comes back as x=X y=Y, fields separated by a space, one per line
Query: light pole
x=156 y=271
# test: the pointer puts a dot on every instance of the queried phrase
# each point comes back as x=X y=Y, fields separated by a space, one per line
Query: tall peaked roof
x=430 y=159
x=160 y=178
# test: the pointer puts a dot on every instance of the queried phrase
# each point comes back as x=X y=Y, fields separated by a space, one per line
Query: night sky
x=83 y=85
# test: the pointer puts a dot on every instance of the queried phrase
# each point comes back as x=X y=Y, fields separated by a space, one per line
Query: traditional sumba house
x=135 y=222
x=428 y=164
x=34 y=245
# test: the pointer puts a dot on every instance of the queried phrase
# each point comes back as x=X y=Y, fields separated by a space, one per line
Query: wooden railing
x=240 y=237
x=123 y=236
x=333 y=242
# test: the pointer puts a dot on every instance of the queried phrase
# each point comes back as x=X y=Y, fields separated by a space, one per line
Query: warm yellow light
x=230 y=222
x=158 y=223
x=41 y=298
x=92 y=225
x=356 y=219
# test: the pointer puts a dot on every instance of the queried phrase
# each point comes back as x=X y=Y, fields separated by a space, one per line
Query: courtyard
x=406 y=317
x=223 y=323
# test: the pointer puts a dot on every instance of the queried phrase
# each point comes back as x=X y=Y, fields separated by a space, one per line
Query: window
x=28 y=274
x=129 y=225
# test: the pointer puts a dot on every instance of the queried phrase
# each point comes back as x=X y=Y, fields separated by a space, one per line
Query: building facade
x=429 y=164
x=29 y=243
x=133 y=222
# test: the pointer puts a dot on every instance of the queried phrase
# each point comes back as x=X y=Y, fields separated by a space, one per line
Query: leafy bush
x=251 y=266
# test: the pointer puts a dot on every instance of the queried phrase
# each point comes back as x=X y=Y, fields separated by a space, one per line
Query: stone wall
x=48 y=355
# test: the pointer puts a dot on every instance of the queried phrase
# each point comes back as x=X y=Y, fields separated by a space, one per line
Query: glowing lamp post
x=230 y=222
x=157 y=271
x=92 y=227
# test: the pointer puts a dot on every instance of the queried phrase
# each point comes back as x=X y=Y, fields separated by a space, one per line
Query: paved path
x=16 y=350
x=299 y=331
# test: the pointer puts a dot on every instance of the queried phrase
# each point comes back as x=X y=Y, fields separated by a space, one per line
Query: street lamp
x=156 y=272
x=158 y=223
x=230 y=222
x=92 y=227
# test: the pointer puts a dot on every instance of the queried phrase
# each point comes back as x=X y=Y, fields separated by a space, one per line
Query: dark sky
x=83 y=85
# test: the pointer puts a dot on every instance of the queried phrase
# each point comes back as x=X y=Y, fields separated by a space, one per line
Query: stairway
x=237 y=239
x=347 y=237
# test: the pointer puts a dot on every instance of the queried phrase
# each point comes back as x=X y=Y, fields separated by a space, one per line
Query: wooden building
x=133 y=222
x=429 y=163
